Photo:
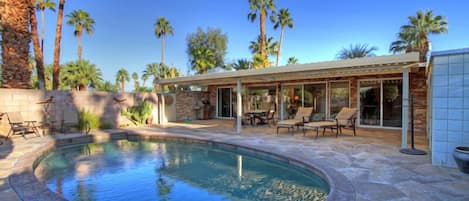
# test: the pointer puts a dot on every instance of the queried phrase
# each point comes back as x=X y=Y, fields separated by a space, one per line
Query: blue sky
x=124 y=31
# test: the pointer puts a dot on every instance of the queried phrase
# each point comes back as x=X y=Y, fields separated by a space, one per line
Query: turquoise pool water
x=168 y=170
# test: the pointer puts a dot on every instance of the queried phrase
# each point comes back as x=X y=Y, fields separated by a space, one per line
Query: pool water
x=169 y=170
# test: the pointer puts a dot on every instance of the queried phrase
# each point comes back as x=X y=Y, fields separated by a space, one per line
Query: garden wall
x=66 y=104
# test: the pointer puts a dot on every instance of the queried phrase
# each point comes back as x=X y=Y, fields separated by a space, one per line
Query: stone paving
x=370 y=161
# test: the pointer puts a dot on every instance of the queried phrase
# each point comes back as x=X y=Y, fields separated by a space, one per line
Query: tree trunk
x=58 y=37
x=38 y=57
x=79 y=46
x=262 y=29
x=162 y=49
x=82 y=87
x=16 y=72
x=123 y=86
x=42 y=28
x=423 y=51
x=279 y=45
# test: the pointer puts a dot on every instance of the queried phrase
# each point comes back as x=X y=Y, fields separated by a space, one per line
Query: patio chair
x=346 y=117
x=18 y=125
x=302 y=116
x=269 y=118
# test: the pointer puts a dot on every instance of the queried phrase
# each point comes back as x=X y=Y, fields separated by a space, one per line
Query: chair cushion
x=320 y=124
x=289 y=122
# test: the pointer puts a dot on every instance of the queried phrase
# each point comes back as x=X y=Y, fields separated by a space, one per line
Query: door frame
x=381 y=103
x=231 y=103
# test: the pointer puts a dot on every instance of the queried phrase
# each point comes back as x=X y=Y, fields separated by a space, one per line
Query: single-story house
x=379 y=87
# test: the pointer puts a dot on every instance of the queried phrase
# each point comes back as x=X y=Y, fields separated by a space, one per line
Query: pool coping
x=28 y=187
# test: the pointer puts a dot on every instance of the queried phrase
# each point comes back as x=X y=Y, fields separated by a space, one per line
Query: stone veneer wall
x=66 y=104
x=187 y=100
x=449 y=105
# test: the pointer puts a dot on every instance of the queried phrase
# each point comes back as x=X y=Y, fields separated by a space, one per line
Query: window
x=339 y=97
x=381 y=103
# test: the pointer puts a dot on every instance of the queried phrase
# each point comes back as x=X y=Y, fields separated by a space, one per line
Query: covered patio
x=379 y=87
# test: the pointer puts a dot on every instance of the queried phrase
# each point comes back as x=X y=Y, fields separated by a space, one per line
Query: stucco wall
x=66 y=104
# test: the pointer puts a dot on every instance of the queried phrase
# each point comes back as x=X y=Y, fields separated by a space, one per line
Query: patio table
x=256 y=114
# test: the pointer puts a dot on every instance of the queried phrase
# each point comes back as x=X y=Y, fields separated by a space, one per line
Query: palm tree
x=82 y=21
x=271 y=46
x=144 y=79
x=242 y=64
x=80 y=75
x=292 y=61
x=262 y=7
x=153 y=70
x=162 y=27
x=136 y=83
x=58 y=38
x=356 y=51
x=15 y=43
x=122 y=77
x=414 y=36
x=41 y=6
x=108 y=86
x=282 y=20
x=37 y=49
x=204 y=59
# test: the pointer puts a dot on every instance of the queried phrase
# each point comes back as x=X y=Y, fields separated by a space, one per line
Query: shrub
x=86 y=116
x=139 y=112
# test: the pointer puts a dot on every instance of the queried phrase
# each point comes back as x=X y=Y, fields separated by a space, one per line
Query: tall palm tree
x=163 y=27
x=282 y=20
x=414 y=36
x=41 y=6
x=136 y=83
x=82 y=21
x=242 y=64
x=122 y=77
x=58 y=38
x=262 y=7
x=292 y=61
x=356 y=51
x=38 y=57
x=15 y=43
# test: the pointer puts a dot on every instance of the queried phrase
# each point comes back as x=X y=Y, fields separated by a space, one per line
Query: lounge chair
x=346 y=117
x=302 y=116
x=18 y=125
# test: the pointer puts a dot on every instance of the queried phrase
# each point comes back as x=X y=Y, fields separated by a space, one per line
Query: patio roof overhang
x=350 y=67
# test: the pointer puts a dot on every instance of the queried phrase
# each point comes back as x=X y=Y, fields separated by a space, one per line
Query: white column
x=281 y=102
x=405 y=106
x=239 y=105
x=163 y=112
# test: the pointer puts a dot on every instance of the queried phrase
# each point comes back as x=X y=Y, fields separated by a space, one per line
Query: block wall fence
x=66 y=104
x=449 y=106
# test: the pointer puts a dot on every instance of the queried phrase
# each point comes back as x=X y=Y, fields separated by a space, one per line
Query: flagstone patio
x=371 y=161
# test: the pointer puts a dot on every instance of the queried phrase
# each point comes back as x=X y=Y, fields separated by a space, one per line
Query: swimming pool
x=170 y=170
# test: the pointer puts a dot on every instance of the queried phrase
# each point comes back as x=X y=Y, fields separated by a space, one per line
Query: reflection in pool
x=166 y=170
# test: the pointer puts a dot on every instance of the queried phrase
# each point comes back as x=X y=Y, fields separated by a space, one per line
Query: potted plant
x=461 y=156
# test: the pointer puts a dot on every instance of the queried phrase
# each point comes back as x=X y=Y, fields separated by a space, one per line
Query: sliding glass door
x=315 y=96
x=381 y=103
x=339 y=97
x=224 y=107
